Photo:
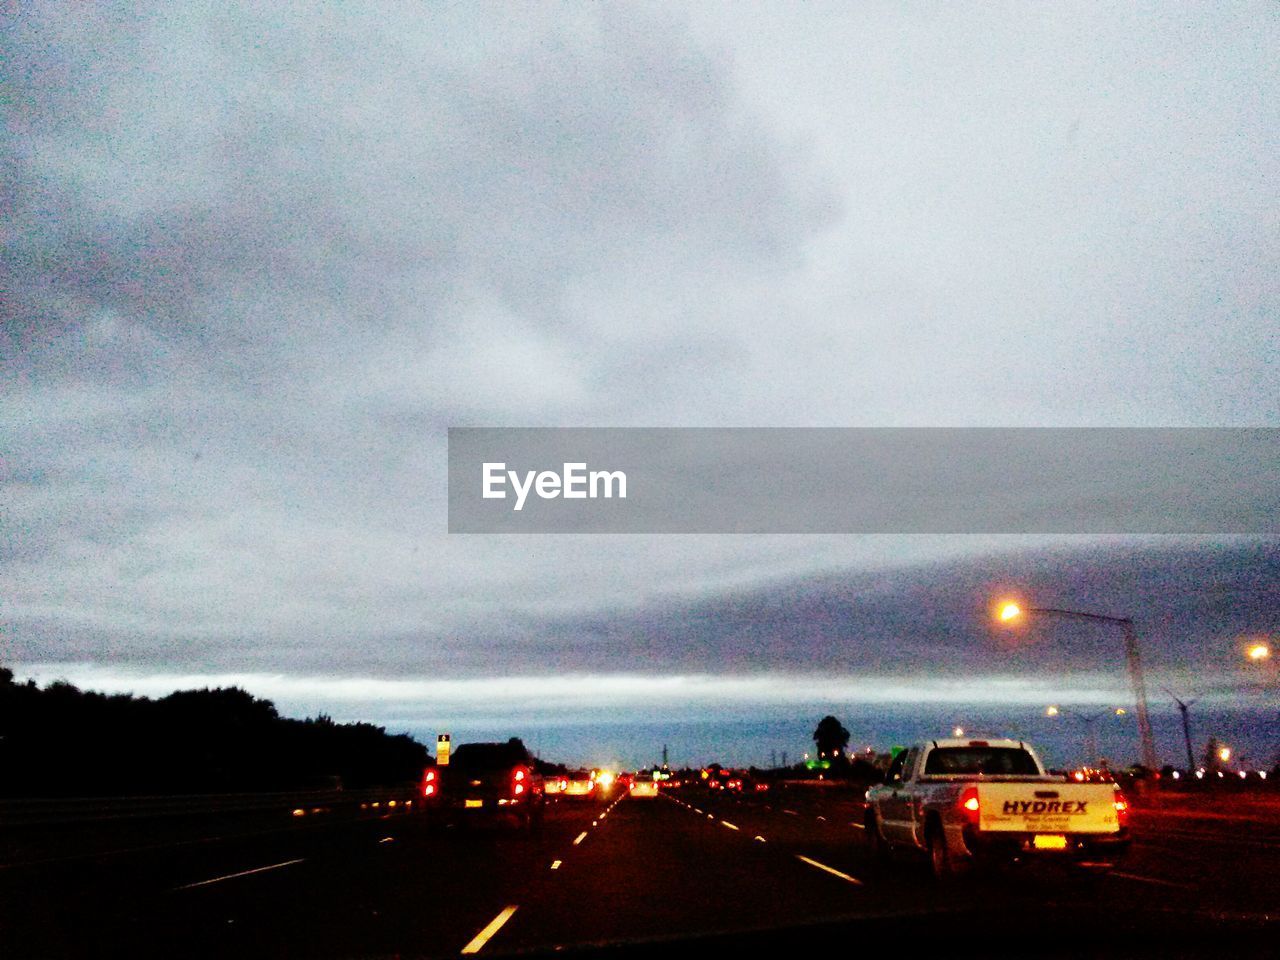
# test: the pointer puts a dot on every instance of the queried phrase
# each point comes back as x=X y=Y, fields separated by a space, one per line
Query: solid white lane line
x=483 y=937
x=242 y=873
x=857 y=826
x=555 y=864
x=1139 y=877
x=579 y=838
x=731 y=826
x=831 y=870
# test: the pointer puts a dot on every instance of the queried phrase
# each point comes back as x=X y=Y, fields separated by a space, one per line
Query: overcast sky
x=258 y=260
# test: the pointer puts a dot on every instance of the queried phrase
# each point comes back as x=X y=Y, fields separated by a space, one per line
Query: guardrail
x=298 y=803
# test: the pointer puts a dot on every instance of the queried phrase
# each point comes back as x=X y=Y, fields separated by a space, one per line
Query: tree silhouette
x=61 y=740
x=830 y=737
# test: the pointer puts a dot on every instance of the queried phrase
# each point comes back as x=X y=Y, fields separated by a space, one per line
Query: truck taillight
x=970 y=807
x=1122 y=809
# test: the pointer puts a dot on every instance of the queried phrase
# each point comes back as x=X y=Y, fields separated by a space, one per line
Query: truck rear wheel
x=943 y=863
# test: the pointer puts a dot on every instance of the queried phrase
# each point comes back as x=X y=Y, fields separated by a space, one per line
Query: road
x=785 y=870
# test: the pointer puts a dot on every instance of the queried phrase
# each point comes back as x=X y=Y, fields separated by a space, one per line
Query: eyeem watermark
x=573 y=482
x=1068 y=480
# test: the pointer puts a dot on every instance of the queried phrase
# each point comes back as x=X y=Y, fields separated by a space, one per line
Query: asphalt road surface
x=787 y=870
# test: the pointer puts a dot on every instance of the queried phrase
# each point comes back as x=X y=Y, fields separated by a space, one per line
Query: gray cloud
x=257 y=261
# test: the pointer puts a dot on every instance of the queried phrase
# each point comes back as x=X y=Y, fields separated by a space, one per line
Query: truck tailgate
x=1047 y=808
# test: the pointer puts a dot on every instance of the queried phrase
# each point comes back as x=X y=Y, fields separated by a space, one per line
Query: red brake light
x=431 y=775
x=519 y=789
x=1122 y=809
x=970 y=805
x=429 y=790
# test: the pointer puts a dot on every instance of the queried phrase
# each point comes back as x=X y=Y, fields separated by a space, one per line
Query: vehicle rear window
x=488 y=756
x=992 y=761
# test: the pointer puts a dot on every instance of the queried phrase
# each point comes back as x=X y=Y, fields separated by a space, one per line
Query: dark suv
x=491 y=781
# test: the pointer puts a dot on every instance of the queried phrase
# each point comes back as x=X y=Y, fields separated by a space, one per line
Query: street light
x=1259 y=652
x=1224 y=754
x=957 y=732
x=1010 y=611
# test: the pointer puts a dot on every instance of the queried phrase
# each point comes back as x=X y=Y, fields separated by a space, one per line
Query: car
x=579 y=785
x=489 y=781
x=644 y=789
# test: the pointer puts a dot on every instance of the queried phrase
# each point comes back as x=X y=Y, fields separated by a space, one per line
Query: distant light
x=1010 y=611
x=958 y=732
x=1051 y=711
x=1121 y=711
x=299 y=812
x=1262 y=774
x=1199 y=774
x=1242 y=774
x=1177 y=775
x=1224 y=754
x=1259 y=651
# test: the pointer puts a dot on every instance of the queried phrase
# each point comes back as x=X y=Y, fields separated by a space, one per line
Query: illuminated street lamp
x=1010 y=612
x=958 y=732
x=1258 y=652
x=1224 y=754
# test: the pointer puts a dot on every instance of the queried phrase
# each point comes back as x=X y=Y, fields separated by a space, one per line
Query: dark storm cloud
x=1192 y=604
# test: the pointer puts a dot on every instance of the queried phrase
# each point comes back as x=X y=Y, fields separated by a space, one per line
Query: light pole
x=1090 y=729
x=1011 y=611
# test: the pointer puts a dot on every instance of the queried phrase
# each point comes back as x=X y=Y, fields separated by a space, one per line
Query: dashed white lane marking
x=857 y=826
x=731 y=826
x=760 y=838
x=791 y=812
x=1142 y=879
x=823 y=819
x=831 y=870
x=555 y=864
x=494 y=925
x=242 y=873
x=579 y=838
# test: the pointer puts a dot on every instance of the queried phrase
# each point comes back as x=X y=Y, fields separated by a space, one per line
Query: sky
x=259 y=260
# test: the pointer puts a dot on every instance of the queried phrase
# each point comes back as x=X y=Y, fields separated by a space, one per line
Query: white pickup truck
x=967 y=802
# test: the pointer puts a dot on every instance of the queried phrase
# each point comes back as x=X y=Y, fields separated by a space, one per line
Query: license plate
x=472 y=804
x=1049 y=842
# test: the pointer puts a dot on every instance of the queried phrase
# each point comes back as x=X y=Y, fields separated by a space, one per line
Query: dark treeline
x=63 y=741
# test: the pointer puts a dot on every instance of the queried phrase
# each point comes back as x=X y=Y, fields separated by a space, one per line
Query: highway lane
x=691 y=864
x=391 y=884
x=1219 y=863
